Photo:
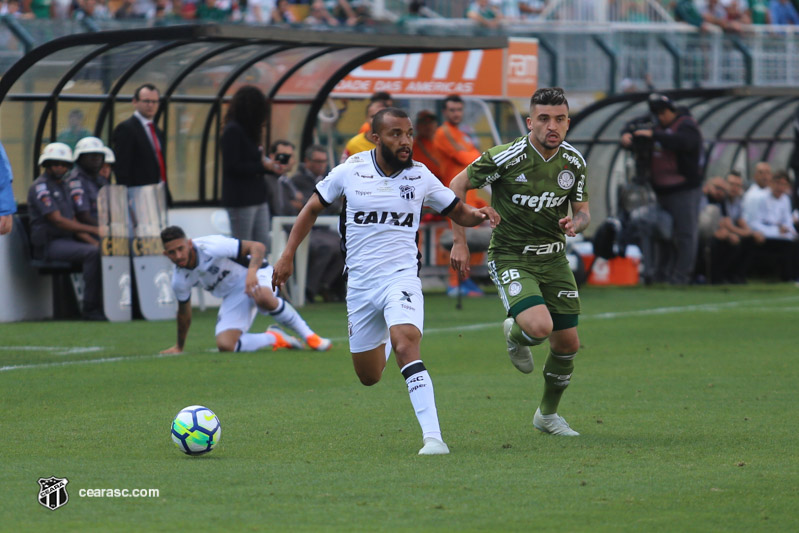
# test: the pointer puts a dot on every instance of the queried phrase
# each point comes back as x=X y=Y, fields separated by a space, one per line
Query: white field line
x=471 y=327
x=57 y=350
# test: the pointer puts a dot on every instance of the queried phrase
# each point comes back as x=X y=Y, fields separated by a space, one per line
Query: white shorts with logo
x=370 y=312
x=238 y=310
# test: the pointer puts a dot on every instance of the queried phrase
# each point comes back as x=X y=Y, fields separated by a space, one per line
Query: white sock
x=420 y=389
x=249 y=342
x=287 y=316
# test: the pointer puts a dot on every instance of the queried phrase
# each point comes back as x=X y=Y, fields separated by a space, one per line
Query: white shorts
x=238 y=309
x=370 y=312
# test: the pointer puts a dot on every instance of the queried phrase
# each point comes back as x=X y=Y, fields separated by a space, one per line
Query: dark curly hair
x=248 y=108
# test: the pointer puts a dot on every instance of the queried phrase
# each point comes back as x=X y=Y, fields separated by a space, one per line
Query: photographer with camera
x=674 y=171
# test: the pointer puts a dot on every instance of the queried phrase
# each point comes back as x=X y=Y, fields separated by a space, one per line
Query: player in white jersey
x=217 y=264
x=384 y=190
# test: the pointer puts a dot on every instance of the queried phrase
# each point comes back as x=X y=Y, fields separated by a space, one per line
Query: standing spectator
x=362 y=141
x=7 y=204
x=676 y=165
x=56 y=234
x=75 y=129
x=424 y=148
x=245 y=191
x=385 y=302
x=774 y=220
x=756 y=191
x=783 y=12
x=326 y=268
x=514 y=10
x=759 y=11
x=215 y=10
x=794 y=163
x=484 y=14
x=455 y=145
x=139 y=144
x=457 y=151
x=84 y=181
x=527 y=253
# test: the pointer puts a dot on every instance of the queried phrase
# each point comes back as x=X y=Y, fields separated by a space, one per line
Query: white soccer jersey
x=217 y=270
x=382 y=214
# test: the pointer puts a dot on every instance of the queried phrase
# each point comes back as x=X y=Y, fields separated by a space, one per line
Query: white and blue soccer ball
x=196 y=430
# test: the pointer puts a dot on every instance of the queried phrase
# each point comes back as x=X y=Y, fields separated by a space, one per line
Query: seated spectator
x=216 y=10
x=107 y=170
x=736 y=223
x=126 y=10
x=325 y=260
x=773 y=219
x=56 y=234
x=91 y=9
x=320 y=16
x=783 y=12
x=484 y=14
x=84 y=181
x=282 y=13
x=759 y=188
x=513 y=10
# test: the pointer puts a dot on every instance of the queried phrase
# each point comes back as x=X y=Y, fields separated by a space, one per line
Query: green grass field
x=683 y=398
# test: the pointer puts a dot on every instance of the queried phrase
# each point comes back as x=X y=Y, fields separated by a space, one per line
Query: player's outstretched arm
x=256 y=251
x=581 y=217
x=184 y=323
x=305 y=221
x=465 y=215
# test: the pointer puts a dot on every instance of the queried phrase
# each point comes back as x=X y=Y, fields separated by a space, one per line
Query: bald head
x=762 y=175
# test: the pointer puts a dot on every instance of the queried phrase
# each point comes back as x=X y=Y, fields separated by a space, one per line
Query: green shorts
x=524 y=284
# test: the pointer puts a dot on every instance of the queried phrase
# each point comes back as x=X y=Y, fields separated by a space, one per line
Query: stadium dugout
x=197 y=68
x=741 y=126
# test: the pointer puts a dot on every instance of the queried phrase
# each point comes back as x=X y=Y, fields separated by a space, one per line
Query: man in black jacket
x=676 y=176
x=139 y=145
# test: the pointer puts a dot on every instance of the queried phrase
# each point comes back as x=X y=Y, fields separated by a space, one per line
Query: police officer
x=85 y=180
x=56 y=234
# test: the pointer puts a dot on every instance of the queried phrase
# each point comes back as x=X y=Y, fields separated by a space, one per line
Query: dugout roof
x=196 y=68
x=740 y=126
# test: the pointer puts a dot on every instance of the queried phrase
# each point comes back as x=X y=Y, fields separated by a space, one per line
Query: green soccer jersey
x=531 y=194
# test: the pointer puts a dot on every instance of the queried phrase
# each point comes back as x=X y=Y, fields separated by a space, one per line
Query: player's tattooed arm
x=580 y=219
x=256 y=251
x=184 y=323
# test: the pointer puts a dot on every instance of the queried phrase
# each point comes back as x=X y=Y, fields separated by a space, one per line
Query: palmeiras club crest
x=53 y=492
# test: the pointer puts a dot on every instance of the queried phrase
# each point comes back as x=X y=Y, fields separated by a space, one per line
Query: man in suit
x=139 y=145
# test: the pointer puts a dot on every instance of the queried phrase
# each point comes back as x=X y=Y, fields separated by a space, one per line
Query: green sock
x=520 y=337
x=557 y=373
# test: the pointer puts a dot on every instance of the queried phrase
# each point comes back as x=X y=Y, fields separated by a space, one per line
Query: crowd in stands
x=727 y=15
x=314 y=13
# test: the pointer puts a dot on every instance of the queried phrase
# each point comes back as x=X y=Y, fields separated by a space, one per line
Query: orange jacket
x=456 y=149
x=424 y=151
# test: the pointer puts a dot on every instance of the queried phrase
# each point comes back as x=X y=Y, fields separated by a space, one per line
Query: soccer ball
x=196 y=430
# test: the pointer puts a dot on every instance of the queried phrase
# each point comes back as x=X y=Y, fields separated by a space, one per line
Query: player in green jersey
x=534 y=181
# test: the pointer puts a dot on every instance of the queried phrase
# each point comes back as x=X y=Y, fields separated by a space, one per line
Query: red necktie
x=158 y=153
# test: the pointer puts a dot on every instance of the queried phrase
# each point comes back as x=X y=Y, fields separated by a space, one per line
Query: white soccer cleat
x=283 y=339
x=520 y=356
x=320 y=344
x=553 y=424
x=433 y=447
